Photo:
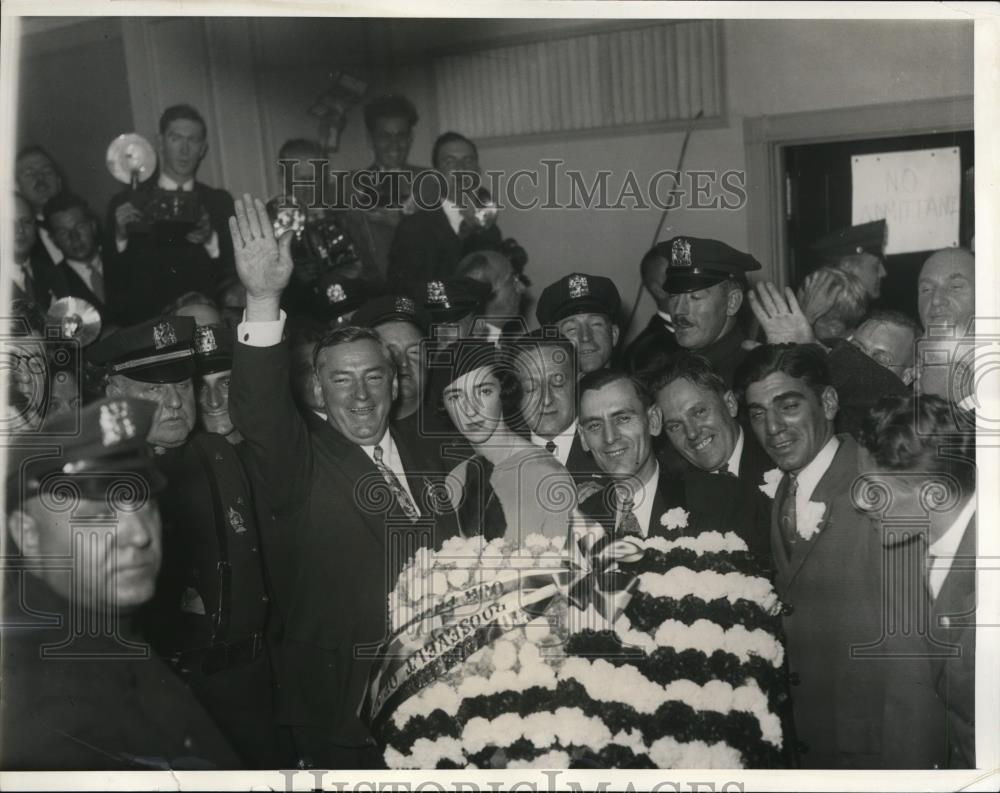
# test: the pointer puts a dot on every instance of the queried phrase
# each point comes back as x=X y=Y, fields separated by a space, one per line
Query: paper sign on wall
x=917 y=192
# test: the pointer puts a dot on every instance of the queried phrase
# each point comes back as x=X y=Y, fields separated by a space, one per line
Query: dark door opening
x=819 y=201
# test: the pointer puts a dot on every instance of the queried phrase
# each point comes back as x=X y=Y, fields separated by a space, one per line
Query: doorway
x=768 y=138
x=818 y=201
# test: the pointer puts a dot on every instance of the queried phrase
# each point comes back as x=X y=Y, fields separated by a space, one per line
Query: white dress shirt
x=164 y=182
x=642 y=502
x=563 y=442
x=261 y=334
x=390 y=456
x=453 y=213
x=809 y=476
x=734 y=459
x=942 y=551
x=19 y=273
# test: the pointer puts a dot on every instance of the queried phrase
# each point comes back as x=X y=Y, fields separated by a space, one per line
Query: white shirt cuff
x=212 y=246
x=261 y=334
x=121 y=245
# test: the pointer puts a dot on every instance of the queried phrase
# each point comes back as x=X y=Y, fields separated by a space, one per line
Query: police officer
x=705 y=282
x=657 y=340
x=211 y=604
x=586 y=309
x=859 y=250
x=82 y=690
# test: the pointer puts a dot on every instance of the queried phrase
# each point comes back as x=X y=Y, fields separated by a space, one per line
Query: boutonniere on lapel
x=676 y=518
x=772 y=479
x=586 y=489
x=809 y=523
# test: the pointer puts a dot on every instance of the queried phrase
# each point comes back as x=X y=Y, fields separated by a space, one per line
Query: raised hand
x=819 y=293
x=263 y=263
x=780 y=315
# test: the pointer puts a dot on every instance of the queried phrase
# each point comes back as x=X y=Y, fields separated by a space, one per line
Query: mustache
x=683 y=322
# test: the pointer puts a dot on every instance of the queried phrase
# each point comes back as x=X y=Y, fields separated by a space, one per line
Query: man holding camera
x=169 y=236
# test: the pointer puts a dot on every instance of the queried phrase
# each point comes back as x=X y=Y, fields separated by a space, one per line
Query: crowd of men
x=235 y=471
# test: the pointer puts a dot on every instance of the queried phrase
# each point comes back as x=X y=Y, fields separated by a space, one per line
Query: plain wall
x=270 y=71
x=74 y=99
x=771 y=67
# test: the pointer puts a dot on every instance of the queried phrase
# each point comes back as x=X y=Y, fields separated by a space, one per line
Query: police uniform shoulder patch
x=680 y=253
x=164 y=335
x=116 y=423
x=579 y=286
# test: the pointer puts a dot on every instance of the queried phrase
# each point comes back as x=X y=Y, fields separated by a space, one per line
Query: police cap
x=157 y=351
x=104 y=447
x=578 y=293
x=694 y=263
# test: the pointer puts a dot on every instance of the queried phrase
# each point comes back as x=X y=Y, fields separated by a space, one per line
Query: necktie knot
x=378 y=454
x=550 y=447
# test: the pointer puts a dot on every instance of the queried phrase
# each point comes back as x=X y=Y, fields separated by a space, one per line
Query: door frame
x=765 y=137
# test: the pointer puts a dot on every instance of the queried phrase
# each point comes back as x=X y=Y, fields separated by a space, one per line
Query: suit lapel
x=960 y=583
x=834 y=483
x=75 y=285
x=670 y=493
x=353 y=464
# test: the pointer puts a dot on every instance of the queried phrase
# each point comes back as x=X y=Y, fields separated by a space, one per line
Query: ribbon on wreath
x=437 y=639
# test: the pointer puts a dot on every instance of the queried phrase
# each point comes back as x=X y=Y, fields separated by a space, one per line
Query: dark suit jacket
x=602 y=506
x=343 y=541
x=953 y=615
x=120 y=709
x=151 y=272
x=581 y=464
x=425 y=248
x=63 y=281
x=725 y=503
x=853 y=693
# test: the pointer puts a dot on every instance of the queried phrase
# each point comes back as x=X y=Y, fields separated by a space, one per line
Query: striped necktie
x=787 y=522
x=402 y=497
x=629 y=523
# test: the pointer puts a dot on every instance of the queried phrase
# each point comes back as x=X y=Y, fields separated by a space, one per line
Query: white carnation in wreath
x=810 y=521
x=772 y=479
x=676 y=518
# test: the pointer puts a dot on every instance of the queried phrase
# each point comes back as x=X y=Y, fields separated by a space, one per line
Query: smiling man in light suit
x=828 y=571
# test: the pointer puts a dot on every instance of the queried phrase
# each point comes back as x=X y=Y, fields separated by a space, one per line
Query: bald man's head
x=946 y=289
